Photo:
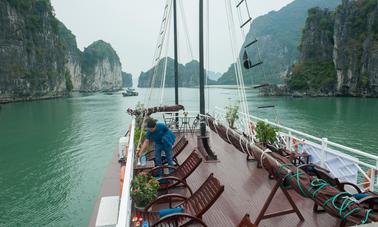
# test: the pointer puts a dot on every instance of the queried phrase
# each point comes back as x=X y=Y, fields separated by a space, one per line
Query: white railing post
x=324 y=148
x=288 y=141
x=372 y=179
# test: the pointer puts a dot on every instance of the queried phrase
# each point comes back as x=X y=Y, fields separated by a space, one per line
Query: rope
x=262 y=157
x=186 y=30
x=319 y=184
x=231 y=42
x=228 y=138
x=237 y=66
x=162 y=86
x=156 y=60
x=366 y=216
x=241 y=145
x=347 y=201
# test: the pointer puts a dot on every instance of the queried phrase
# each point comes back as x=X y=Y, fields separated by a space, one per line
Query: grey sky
x=132 y=26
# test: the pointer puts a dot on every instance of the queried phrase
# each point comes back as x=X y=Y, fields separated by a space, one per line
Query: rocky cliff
x=356 y=48
x=102 y=69
x=339 y=51
x=39 y=57
x=315 y=71
x=279 y=35
x=32 y=56
x=188 y=75
x=73 y=55
x=127 y=79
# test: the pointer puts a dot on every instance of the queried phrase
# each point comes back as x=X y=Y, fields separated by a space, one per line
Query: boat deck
x=246 y=190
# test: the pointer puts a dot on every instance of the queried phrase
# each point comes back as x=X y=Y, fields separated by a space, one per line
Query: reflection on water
x=53 y=154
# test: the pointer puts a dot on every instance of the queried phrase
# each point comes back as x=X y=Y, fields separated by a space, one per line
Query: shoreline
x=276 y=91
x=293 y=95
x=4 y=101
x=8 y=100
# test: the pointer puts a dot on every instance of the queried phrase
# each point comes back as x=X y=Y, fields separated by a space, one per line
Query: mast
x=176 y=55
x=201 y=69
x=203 y=139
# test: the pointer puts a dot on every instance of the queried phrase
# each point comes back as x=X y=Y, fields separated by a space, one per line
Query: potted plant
x=265 y=133
x=232 y=115
x=144 y=189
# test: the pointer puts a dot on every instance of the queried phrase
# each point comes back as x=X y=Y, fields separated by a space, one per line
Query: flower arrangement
x=137 y=220
x=144 y=189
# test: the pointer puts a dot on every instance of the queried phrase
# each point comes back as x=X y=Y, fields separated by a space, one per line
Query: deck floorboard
x=246 y=189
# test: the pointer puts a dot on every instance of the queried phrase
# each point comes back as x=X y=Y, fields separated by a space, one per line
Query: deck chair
x=246 y=222
x=208 y=194
x=177 y=148
x=180 y=173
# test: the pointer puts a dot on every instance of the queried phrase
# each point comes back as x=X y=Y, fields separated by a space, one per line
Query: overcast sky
x=132 y=27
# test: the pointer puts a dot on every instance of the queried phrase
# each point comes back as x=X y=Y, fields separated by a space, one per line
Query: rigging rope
x=156 y=60
x=159 y=46
x=237 y=67
x=186 y=30
x=162 y=86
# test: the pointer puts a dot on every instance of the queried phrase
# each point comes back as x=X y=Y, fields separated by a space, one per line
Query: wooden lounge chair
x=246 y=222
x=180 y=173
x=177 y=148
x=207 y=194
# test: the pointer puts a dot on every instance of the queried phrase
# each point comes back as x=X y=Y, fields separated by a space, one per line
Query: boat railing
x=330 y=155
x=124 y=216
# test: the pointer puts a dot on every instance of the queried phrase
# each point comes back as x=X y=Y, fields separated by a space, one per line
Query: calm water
x=54 y=153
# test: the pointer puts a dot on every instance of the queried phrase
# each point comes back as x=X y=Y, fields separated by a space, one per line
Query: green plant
x=144 y=189
x=232 y=115
x=266 y=133
x=137 y=134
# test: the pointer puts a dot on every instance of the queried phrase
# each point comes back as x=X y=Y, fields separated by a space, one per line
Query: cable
x=166 y=59
x=157 y=56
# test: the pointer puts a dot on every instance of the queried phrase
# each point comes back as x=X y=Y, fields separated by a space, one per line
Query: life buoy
x=121 y=178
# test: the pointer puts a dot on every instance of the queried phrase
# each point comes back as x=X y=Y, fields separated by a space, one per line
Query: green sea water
x=54 y=153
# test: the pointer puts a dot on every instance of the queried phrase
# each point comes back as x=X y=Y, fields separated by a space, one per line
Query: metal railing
x=124 y=215
x=337 y=149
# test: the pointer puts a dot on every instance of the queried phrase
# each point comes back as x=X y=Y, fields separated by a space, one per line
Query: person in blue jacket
x=163 y=138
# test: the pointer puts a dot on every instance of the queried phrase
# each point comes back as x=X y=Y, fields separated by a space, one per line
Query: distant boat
x=129 y=92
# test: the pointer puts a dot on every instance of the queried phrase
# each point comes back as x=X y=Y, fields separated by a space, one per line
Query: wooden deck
x=246 y=189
